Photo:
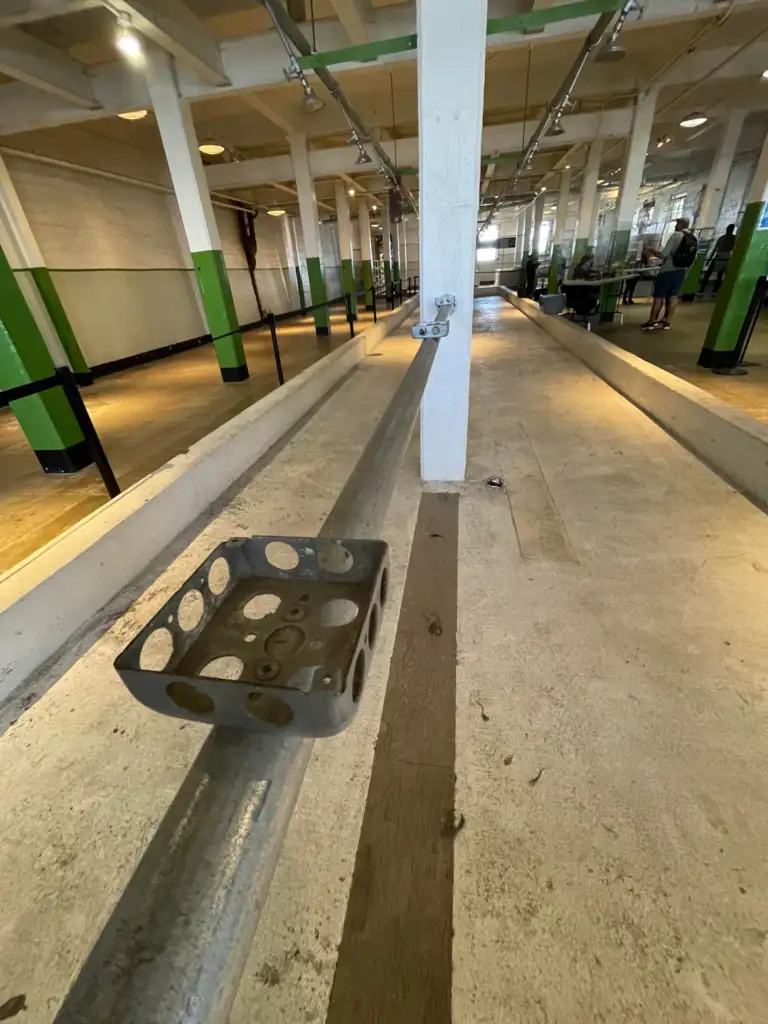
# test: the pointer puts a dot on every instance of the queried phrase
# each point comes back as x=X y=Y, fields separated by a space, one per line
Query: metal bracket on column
x=439 y=327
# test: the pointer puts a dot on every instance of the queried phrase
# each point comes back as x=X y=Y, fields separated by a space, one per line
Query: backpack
x=685 y=253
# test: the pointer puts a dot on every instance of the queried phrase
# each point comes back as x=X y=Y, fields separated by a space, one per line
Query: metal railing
x=64 y=378
x=175 y=947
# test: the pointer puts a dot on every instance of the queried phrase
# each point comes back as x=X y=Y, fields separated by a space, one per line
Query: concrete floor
x=611 y=744
x=677 y=350
x=144 y=416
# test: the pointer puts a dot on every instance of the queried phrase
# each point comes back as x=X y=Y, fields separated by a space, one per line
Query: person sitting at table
x=583 y=299
x=631 y=283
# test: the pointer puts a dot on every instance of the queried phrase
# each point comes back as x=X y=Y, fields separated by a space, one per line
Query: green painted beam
x=513 y=23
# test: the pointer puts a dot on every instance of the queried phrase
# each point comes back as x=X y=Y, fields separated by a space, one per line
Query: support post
x=310 y=229
x=631 y=180
x=344 y=227
x=23 y=253
x=561 y=216
x=291 y=257
x=585 y=230
x=713 y=195
x=396 y=229
x=748 y=262
x=366 y=252
x=403 y=248
x=538 y=217
x=386 y=242
x=527 y=227
x=451 y=69
x=177 y=131
x=47 y=419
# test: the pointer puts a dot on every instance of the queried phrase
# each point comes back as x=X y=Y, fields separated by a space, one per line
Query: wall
x=118 y=256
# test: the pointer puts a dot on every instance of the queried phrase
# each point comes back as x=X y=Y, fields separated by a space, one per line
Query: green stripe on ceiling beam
x=513 y=23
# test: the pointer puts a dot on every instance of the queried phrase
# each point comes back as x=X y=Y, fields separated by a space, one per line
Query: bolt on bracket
x=440 y=326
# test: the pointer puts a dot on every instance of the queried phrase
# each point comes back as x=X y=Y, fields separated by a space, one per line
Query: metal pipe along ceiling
x=291 y=30
x=555 y=111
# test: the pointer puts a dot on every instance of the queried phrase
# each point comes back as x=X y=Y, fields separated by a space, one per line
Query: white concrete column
x=403 y=251
x=177 y=132
x=562 y=207
x=344 y=227
x=310 y=229
x=364 y=220
x=310 y=222
x=527 y=217
x=585 y=231
x=538 y=217
x=632 y=172
x=386 y=241
x=451 y=68
x=721 y=166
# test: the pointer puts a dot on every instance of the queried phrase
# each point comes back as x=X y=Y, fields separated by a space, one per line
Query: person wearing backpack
x=676 y=257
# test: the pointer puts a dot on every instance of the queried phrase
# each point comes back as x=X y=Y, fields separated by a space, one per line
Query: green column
x=318 y=293
x=609 y=293
x=692 y=278
x=395 y=270
x=366 y=277
x=387 y=277
x=553 y=280
x=47 y=290
x=349 y=284
x=748 y=262
x=580 y=248
x=46 y=419
x=220 y=313
x=300 y=286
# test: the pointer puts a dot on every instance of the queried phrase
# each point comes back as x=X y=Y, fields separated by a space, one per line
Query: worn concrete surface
x=677 y=350
x=613 y=864
x=144 y=417
x=611 y=726
x=88 y=772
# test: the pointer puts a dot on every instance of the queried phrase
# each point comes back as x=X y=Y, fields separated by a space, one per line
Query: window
x=488 y=253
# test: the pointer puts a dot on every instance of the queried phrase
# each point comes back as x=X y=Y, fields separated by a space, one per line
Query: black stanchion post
x=373 y=303
x=275 y=347
x=67 y=380
x=350 y=315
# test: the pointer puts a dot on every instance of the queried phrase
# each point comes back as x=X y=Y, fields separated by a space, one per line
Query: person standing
x=719 y=261
x=676 y=257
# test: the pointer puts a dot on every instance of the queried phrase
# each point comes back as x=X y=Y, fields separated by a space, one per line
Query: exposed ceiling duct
x=551 y=119
x=290 y=32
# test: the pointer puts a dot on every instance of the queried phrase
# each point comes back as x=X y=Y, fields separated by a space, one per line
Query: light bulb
x=133 y=115
x=275 y=212
x=211 y=148
x=128 y=43
x=693 y=120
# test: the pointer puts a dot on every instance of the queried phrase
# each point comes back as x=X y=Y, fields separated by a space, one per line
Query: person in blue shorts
x=676 y=257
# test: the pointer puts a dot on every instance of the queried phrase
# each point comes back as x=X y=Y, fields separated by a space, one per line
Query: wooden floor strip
x=394 y=961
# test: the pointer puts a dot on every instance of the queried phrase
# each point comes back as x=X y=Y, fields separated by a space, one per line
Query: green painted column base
x=366 y=276
x=692 y=278
x=349 y=284
x=553 y=279
x=395 y=270
x=47 y=290
x=746 y=265
x=387 y=277
x=300 y=287
x=47 y=419
x=318 y=293
x=220 y=314
x=609 y=293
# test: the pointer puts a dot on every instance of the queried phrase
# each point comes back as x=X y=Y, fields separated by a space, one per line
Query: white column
x=310 y=222
x=527 y=222
x=451 y=68
x=364 y=220
x=721 y=166
x=634 y=164
x=562 y=207
x=288 y=243
x=538 y=217
x=403 y=250
x=585 y=231
x=177 y=132
x=343 y=220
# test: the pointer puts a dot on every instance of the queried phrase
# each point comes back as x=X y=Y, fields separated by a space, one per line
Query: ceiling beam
x=37 y=64
x=21 y=12
x=292 y=191
x=254 y=100
x=348 y=14
x=172 y=25
x=342 y=159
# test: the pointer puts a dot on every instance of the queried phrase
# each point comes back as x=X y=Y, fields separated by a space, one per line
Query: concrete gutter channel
x=729 y=441
x=54 y=594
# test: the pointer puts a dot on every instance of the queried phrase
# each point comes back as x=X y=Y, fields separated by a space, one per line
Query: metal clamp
x=440 y=326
